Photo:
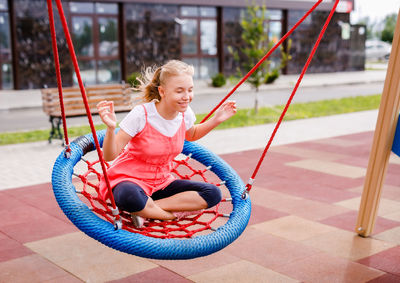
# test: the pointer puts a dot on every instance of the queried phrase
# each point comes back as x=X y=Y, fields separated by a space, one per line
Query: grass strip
x=243 y=118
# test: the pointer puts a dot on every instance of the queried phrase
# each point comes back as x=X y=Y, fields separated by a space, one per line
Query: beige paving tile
x=391 y=236
x=242 y=271
x=394 y=159
x=340 y=142
x=329 y=167
x=307 y=153
x=326 y=268
x=32 y=268
x=294 y=228
x=87 y=259
x=393 y=216
x=386 y=206
x=198 y=265
x=312 y=210
x=347 y=244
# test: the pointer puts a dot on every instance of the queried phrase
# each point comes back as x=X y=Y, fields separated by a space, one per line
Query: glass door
x=95 y=36
x=6 y=75
x=199 y=39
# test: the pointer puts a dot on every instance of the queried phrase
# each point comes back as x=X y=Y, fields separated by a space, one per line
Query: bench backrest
x=122 y=95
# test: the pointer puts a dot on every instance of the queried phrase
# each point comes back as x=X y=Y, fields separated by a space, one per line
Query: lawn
x=243 y=118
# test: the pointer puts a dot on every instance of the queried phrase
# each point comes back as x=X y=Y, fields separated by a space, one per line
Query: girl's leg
x=131 y=198
x=187 y=195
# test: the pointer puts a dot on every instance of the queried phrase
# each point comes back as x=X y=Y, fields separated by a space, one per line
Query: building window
x=6 y=74
x=199 y=39
x=273 y=26
x=95 y=36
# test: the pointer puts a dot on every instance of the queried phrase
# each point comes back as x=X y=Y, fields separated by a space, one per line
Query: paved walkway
x=304 y=209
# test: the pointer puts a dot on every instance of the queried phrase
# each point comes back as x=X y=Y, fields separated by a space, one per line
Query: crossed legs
x=180 y=195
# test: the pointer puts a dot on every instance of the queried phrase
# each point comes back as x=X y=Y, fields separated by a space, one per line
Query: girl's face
x=177 y=92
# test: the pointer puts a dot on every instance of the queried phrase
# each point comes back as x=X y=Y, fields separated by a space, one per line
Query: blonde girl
x=150 y=137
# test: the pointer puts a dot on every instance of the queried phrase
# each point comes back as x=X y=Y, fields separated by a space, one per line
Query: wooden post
x=383 y=140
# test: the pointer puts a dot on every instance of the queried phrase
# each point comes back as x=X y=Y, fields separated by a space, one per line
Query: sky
x=376 y=10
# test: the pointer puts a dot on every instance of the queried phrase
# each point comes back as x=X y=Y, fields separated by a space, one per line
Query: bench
x=122 y=95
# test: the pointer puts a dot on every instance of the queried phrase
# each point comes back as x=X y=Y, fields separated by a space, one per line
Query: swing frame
x=382 y=143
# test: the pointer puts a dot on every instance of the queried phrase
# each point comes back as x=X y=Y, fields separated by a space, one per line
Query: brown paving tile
x=347 y=244
x=294 y=228
x=387 y=278
x=328 y=167
x=326 y=268
x=11 y=249
x=198 y=265
x=157 y=274
x=87 y=259
x=391 y=236
x=387 y=261
x=304 y=208
x=242 y=271
x=347 y=221
x=270 y=251
x=32 y=268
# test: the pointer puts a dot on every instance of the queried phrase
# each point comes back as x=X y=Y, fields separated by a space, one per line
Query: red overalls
x=147 y=160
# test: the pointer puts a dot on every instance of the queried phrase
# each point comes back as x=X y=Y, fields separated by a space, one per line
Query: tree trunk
x=256 y=104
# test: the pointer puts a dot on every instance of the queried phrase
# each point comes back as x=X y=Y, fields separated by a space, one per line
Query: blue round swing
x=137 y=244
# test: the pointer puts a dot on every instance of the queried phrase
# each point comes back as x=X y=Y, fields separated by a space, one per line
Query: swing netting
x=87 y=174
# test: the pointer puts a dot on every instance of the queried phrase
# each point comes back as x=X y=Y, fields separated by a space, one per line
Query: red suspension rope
x=58 y=72
x=262 y=60
x=249 y=184
x=83 y=93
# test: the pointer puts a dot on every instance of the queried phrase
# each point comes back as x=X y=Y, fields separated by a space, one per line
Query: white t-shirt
x=135 y=121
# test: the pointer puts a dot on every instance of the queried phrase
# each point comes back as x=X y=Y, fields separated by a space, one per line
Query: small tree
x=257 y=44
x=388 y=29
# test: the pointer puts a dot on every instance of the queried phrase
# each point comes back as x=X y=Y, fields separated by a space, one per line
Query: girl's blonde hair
x=153 y=77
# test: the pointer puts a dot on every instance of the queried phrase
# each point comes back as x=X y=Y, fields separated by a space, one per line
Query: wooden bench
x=122 y=95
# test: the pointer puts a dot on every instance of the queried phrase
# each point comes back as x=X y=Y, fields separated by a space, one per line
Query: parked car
x=377 y=50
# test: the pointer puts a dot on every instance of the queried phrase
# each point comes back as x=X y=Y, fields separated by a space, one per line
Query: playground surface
x=305 y=202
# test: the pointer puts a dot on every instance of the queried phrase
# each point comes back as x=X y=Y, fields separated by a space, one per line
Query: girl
x=150 y=137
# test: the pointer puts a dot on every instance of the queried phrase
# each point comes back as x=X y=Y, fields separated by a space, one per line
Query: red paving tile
x=348 y=220
x=39 y=196
x=387 y=278
x=387 y=261
x=310 y=190
x=260 y=214
x=37 y=229
x=158 y=274
x=10 y=249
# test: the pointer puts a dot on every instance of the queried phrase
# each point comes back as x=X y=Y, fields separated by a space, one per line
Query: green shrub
x=270 y=77
x=133 y=79
x=218 y=80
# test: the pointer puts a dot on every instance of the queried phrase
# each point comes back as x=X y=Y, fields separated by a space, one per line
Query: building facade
x=114 y=39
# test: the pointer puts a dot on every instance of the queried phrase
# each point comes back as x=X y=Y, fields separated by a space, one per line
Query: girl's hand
x=226 y=111
x=107 y=114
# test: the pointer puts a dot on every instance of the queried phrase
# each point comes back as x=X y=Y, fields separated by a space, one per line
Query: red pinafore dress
x=146 y=160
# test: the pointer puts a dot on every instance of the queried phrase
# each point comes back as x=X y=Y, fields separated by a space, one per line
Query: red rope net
x=184 y=167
